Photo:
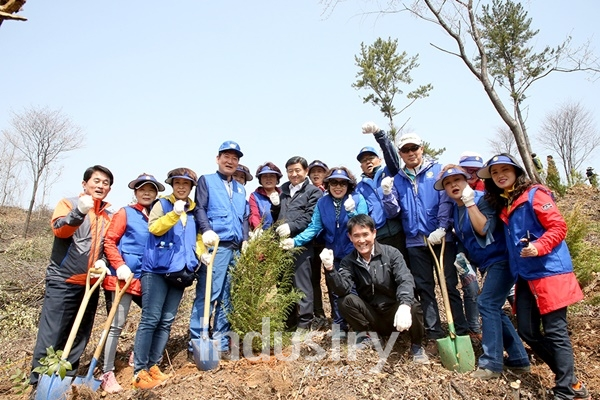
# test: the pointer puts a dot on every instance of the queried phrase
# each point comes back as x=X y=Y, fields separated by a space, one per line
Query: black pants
x=315 y=264
x=303 y=315
x=363 y=317
x=397 y=241
x=61 y=304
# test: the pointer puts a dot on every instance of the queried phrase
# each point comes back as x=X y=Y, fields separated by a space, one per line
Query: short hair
x=363 y=220
x=351 y=182
x=297 y=160
x=98 y=168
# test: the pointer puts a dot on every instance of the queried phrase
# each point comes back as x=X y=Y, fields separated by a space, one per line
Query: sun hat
x=246 y=171
x=317 y=163
x=266 y=169
x=470 y=159
x=484 y=172
x=144 y=178
x=439 y=184
x=338 y=174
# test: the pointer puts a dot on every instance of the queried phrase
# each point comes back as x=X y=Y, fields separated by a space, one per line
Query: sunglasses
x=406 y=149
x=338 y=183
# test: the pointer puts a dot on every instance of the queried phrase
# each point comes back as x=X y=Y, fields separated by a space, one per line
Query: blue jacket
x=216 y=210
x=174 y=250
x=481 y=251
x=264 y=207
x=421 y=208
x=335 y=231
x=133 y=242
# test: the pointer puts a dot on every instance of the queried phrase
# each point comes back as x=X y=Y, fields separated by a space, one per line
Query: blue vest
x=175 y=249
x=264 y=208
x=522 y=220
x=482 y=257
x=225 y=214
x=335 y=232
x=133 y=242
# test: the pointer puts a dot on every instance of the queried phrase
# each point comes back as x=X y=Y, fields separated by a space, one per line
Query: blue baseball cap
x=144 y=178
x=366 y=149
x=471 y=161
x=439 y=184
x=338 y=174
x=484 y=172
x=230 y=145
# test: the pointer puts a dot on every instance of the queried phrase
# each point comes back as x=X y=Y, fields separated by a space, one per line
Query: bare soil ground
x=315 y=374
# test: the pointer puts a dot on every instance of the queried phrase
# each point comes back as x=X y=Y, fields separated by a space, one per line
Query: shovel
x=205 y=349
x=89 y=380
x=456 y=352
x=52 y=387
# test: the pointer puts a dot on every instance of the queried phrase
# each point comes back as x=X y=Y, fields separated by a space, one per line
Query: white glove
x=349 y=204
x=386 y=185
x=327 y=259
x=85 y=203
x=255 y=234
x=179 y=207
x=209 y=238
x=468 y=196
x=123 y=272
x=274 y=197
x=287 y=244
x=100 y=264
x=205 y=258
x=436 y=236
x=244 y=246
x=403 y=319
x=283 y=230
x=369 y=127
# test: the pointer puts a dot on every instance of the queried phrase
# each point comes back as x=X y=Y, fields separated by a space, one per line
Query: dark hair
x=360 y=220
x=98 y=168
x=297 y=160
x=351 y=182
x=533 y=155
x=493 y=192
x=271 y=166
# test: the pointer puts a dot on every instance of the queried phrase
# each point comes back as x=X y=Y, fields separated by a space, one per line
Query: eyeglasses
x=338 y=183
x=409 y=149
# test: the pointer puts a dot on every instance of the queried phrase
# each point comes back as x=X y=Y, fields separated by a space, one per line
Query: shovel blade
x=206 y=353
x=457 y=354
x=89 y=380
x=52 y=387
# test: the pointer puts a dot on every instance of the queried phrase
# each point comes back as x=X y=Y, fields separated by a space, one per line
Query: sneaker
x=419 y=355
x=109 y=383
x=143 y=380
x=580 y=391
x=482 y=373
x=131 y=360
x=157 y=374
x=517 y=370
x=365 y=343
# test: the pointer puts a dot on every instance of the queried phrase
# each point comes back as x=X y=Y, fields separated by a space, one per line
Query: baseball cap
x=230 y=145
x=366 y=149
x=409 y=138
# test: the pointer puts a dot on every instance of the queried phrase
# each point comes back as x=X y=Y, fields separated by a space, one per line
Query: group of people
x=375 y=239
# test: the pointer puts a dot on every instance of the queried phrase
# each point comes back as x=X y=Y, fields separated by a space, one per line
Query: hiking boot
x=419 y=355
x=109 y=383
x=517 y=370
x=157 y=374
x=143 y=380
x=131 y=360
x=581 y=391
x=482 y=373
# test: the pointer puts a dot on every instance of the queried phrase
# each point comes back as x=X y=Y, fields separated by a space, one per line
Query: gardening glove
x=100 y=264
x=349 y=204
x=244 y=246
x=255 y=234
x=123 y=272
x=403 y=319
x=287 y=244
x=436 y=236
x=85 y=203
x=179 y=207
x=369 y=127
x=274 y=197
x=205 y=258
x=209 y=238
x=327 y=259
x=283 y=230
x=468 y=196
x=386 y=185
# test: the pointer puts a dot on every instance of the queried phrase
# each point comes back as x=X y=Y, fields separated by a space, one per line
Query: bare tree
x=570 y=132
x=9 y=8
x=42 y=137
x=503 y=141
x=10 y=170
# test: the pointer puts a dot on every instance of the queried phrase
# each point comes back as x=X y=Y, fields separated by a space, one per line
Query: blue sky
x=156 y=88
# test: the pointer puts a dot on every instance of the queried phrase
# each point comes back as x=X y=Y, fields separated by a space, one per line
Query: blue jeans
x=221 y=285
x=160 y=302
x=335 y=311
x=498 y=332
x=470 y=293
x=553 y=345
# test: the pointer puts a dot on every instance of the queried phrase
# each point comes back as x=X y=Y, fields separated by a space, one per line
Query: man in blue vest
x=221 y=213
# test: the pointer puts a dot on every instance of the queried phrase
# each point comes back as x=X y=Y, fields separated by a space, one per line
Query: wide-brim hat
x=439 y=184
x=169 y=180
x=230 y=145
x=364 y=150
x=338 y=174
x=142 y=179
x=268 y=170
x=484 y=172
x=246 y=171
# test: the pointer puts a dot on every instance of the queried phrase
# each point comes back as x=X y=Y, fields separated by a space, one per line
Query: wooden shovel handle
x=208 y=289
x=89 y=289
x=442 y=279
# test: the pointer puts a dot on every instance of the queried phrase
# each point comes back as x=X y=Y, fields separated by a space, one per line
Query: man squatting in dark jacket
x=385 y=287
